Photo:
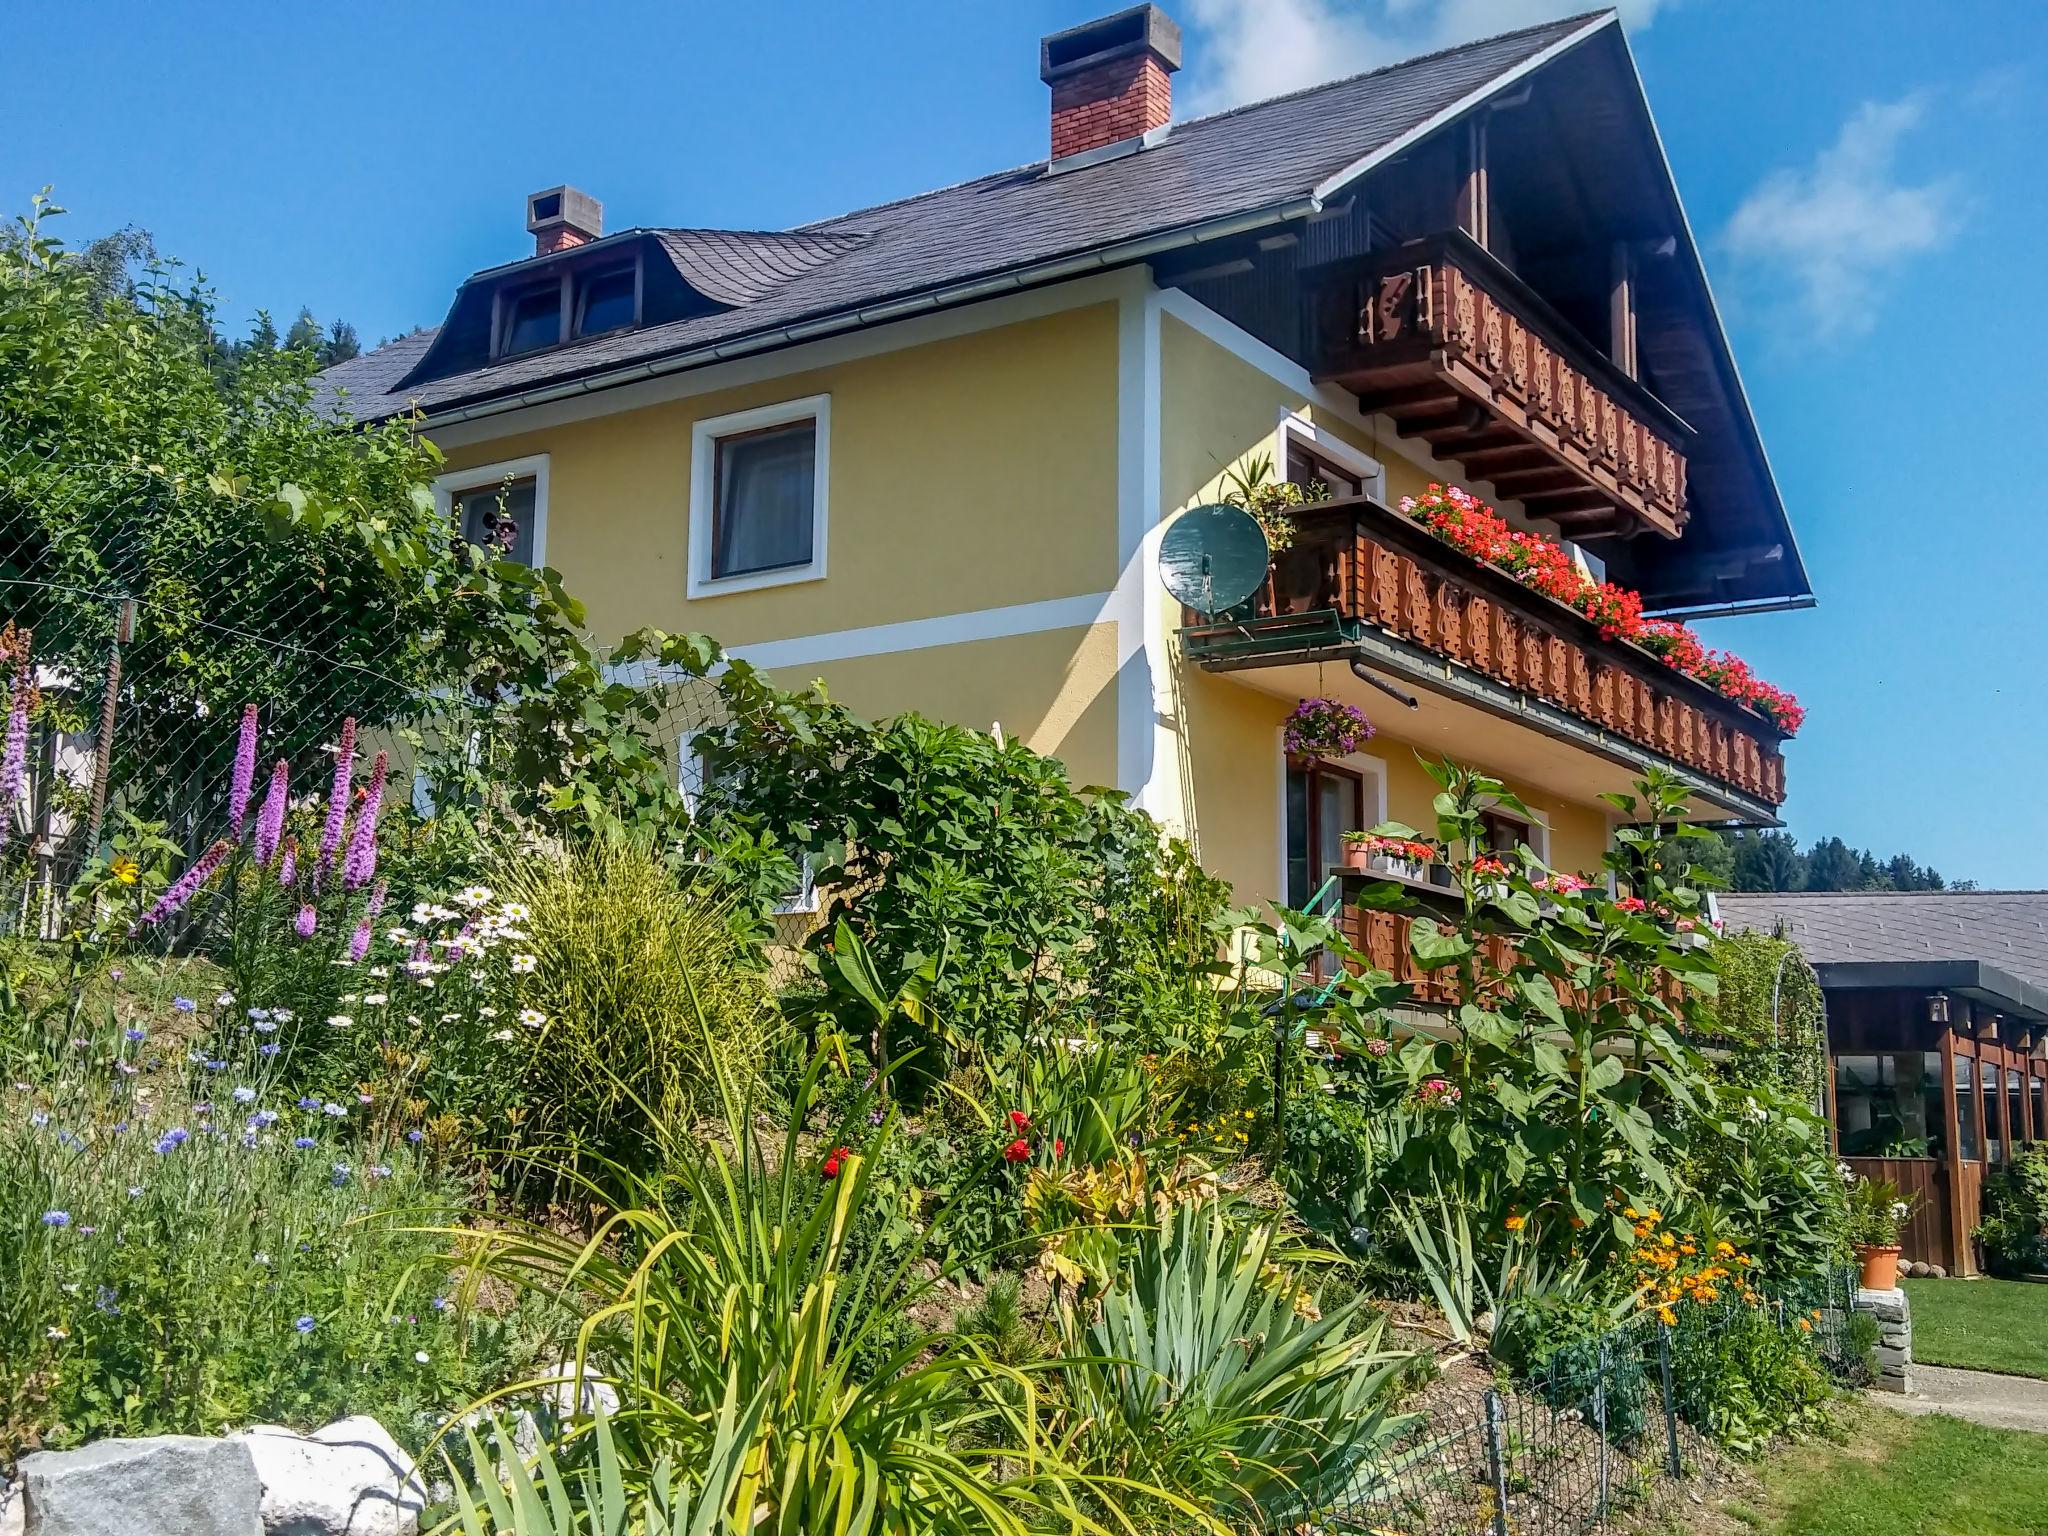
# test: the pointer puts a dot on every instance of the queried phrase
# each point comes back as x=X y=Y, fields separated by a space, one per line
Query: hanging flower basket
x=1326 y=728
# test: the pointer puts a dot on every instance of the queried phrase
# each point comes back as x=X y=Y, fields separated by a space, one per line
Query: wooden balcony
x=1382 y=937
x=1359 y=571
x=1440 y=337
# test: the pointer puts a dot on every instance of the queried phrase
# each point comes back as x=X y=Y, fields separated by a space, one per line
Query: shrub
x=626 y=961
x=1747 y=1375
x=2014 y=1231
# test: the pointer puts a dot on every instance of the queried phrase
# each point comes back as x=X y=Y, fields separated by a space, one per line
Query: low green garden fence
x=1588 y=1433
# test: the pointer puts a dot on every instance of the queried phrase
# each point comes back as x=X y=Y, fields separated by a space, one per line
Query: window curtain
x=765 y=486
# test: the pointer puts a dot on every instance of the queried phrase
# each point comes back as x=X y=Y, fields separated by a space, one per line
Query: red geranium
x=1017 y=1151
x=1059 y=1146
x=1019 y=1120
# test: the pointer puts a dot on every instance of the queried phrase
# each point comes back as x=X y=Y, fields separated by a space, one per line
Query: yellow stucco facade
x=995 y=491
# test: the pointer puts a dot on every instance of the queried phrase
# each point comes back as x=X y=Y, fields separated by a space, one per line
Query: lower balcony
x=1362 y=583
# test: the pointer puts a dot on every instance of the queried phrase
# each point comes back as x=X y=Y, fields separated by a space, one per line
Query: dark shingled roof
x=1254 y=157
x=1910 y=934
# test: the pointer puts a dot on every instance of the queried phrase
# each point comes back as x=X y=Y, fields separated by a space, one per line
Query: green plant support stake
x=1600 y=1422
x=1670 y=1400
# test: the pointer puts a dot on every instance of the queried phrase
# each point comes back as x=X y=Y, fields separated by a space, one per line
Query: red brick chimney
x=1110 y=80
x=561 y=217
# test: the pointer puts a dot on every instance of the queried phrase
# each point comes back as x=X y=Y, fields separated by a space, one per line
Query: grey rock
x=11 y=1517
x=153 y=1487
x=1936 y=1272
x=347 y=1479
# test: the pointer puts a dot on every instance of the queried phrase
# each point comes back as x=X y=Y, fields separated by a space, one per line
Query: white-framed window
x=1319 y=802
x=1505 y=830
x=503 y=504
x=1307 y=455
x=758 y=482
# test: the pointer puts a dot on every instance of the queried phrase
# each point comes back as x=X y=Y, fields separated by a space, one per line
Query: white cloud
x=1838 y=227
x=1252 y=49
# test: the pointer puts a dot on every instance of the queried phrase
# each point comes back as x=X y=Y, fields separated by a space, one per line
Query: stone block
x=348 y=1479
x=153 y=1487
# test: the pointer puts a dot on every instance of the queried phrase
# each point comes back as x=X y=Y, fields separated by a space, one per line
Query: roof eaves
x=1336 y=182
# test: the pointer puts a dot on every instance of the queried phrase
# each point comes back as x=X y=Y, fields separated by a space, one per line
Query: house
x=928 y=451
x=1937 y=1006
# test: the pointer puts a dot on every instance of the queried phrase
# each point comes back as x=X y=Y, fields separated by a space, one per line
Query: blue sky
x=1866 y=178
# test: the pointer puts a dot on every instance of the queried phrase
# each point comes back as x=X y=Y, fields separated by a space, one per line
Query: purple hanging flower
x=270 y=820
x=304 y=924
x=185 y=887
x=337 y=800
x=244 y=780
x=361 y=862
x=288 y=866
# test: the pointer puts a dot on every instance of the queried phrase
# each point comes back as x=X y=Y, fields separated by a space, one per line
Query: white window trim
x=1371 y=473
x=486 y=476
x=704 y=436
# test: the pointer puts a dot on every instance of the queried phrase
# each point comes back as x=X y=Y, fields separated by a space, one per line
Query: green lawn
x=1983 y=1325
x=1897 y=1476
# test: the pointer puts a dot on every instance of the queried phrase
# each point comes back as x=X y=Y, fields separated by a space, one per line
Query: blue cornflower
x=216 y=1066
x=104 y=1302
x=259 y=1014
x=379 y=1171
x=249 y=1139
x=56 y=1218
x=264 y=1027
x=117 y=1127
x=304 y=1143
x=268 y=1048
x=341 y=1173
x=304 y=1325
x=335 y=1110
x=39 y=1119
x=440 y=1303
x=135 y=1034
x=184 y=1004
x=134 y=1191
x=68 y=1141
x=415 y=1136
x=172 y=1139
x=244 y=1095
x=263 y=1119
x=309 y=1103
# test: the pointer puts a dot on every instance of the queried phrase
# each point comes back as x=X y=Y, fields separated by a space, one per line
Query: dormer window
x=607 y=299
x=532 y=319
x=587 y=298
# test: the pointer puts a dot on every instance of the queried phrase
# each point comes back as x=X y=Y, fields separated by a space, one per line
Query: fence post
x=1670 y=1400
x=124 y=632
x=1497 y=1459
x=1600 y=1421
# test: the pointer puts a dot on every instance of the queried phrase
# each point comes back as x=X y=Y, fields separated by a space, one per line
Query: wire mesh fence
x=137 y=645
x=1585 y=1435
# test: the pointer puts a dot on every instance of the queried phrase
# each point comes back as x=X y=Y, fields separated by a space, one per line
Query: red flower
x=1019 y=1120
x=1017 y=1151
x=837 y=1156
x=1059 y=1146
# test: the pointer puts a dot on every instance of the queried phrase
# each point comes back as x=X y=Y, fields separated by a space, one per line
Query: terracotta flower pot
x=1880 y=1266
x=1358 y=856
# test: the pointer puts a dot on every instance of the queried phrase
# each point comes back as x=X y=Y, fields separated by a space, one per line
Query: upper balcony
x=1455 y=349
x=1364 y=583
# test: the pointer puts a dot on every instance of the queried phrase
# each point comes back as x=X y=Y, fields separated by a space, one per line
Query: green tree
x=1768 y=861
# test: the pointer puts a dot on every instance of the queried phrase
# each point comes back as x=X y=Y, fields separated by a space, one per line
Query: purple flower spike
x=288 y=866
x=14 y=756
x=359 y=941
x=244 y=780
x=305 y=922
x=337 y=799
x=361 y=862
x=377 y=898
x=185 y=888
x=270 y=820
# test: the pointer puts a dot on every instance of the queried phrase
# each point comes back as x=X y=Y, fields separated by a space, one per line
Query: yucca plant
x=726 y=1293
x=1209 y=1369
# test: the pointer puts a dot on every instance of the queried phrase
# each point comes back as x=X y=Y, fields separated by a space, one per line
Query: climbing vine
x=1790 y=1050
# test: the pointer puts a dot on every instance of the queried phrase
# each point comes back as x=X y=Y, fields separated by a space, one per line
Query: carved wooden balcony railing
x=1356 y=566
x=1382 y=937
x=1457 y=350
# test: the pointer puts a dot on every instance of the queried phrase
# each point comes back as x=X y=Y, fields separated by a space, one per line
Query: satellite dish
x=1213 y=557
